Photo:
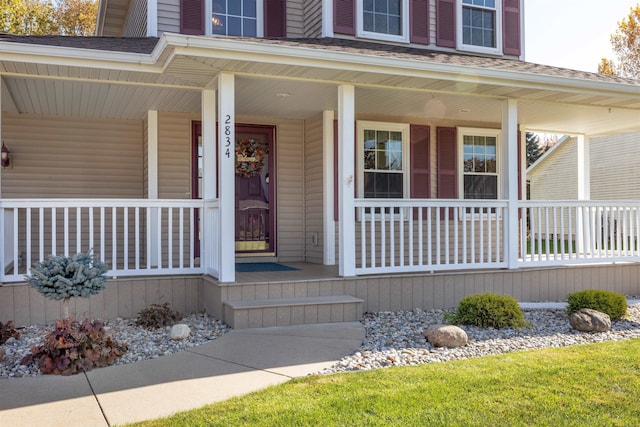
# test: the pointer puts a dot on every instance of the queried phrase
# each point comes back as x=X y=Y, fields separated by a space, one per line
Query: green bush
x=488 y=310
x=609 y=302
x=75 y=347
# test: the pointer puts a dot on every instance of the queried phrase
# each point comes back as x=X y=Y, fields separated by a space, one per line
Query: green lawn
x=594 y=385
x=561 y=246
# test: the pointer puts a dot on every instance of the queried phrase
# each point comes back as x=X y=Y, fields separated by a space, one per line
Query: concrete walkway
x=239 y=362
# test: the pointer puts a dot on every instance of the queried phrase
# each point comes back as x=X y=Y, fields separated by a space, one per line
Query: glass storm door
x=254 y=201
x=254 y=189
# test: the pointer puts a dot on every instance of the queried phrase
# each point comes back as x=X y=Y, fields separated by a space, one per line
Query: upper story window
x=383 y=19
x=479 y=24
x=237 y=18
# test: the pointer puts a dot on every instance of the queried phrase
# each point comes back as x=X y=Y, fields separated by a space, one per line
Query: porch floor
x=305 y=272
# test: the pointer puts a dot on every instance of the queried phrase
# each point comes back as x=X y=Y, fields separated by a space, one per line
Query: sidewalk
x=239 y=362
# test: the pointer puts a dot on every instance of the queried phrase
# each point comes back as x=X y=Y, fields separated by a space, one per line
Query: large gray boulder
x=446 y=336
x=588 y=320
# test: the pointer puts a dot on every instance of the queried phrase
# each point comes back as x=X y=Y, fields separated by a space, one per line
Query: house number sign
x=228 y=122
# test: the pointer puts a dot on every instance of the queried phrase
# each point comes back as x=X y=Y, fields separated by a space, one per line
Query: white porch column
x=584 y=188
x=152 y=18
x=327 y=18
x=226 y=176
x=510 y=182
x=209 y=255
x=346 y=179
x=152 y=183
x=329 y=223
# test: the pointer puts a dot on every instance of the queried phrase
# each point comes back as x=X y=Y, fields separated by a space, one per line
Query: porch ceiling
x=299 y=99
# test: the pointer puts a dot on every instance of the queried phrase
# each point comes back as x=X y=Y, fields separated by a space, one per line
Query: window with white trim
x=479 y=160
x=383 y=19
x=480 y=26
x=237 y=18
x=383 y=163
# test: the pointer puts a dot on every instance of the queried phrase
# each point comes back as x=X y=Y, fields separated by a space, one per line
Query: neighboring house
x=599 y=169
x=382 y=138
x=613 y=166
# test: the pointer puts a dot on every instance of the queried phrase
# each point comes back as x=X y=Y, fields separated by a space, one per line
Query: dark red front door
x=254 y=185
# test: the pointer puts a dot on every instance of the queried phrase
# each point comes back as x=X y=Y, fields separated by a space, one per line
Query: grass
x=563 y=246
x=594 y=384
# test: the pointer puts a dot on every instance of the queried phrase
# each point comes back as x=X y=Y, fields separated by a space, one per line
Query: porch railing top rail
x=104 y=203
x=436 y=203
x=580 y=203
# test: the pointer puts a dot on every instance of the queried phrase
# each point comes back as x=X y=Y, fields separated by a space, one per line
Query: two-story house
x=372 y=145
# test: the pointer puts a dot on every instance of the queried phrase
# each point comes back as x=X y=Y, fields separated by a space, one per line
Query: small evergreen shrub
x=609 y=302
x=75 y=347
x=157 y=316
x=7 y=330
x=488 y=310
x=63 y=278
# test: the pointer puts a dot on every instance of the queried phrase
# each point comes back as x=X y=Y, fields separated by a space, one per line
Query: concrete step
x=292 y=311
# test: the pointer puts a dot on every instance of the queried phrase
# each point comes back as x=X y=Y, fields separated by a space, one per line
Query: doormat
x=253 y=267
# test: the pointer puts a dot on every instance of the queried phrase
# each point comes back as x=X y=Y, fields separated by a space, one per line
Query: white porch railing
x=133 y=236
x=578 y=232
x=395 y=235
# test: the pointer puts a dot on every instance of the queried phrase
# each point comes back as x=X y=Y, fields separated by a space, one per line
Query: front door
x=254 y=184
x=254 y=204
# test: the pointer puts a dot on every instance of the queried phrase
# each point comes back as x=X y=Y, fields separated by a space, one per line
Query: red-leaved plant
x=75 y=347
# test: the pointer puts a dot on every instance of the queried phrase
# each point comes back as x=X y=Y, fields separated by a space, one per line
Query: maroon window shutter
x=420 y=179
x=344 y=17
x=511 y=27
x=192 y=17
x=275 y=18
x=447 y=161
x=419 y=21
x=420 y=162
x=446 y=23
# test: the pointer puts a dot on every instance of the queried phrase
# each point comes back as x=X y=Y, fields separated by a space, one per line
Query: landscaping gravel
x=392 y=339
x=143 y=343
x=397 y=338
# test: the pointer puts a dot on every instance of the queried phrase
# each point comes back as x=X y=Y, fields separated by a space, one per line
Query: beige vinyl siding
x=556 y=177
x=313 y=18
x=615 y=174
x=174 y=155
x=432 y=22
x=314 y=197
x=55 y=157
x=135 y=24
x=168 y=16
x=290 y=189
x=295 y=18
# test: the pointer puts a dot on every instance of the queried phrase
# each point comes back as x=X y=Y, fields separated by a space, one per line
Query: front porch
x=398 y=173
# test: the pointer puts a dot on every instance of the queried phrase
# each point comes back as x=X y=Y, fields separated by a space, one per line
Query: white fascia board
x=77 y=57
x=302 y=56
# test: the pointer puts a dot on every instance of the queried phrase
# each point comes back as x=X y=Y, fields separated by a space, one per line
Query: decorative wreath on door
x=249 y=157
